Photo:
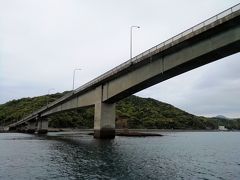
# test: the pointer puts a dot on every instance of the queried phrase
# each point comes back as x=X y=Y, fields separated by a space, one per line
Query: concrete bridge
x=211 y=40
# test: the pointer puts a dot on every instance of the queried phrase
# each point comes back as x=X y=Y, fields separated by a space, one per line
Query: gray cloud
x=42 y=41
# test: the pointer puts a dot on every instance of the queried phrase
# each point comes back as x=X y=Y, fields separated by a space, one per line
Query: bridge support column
x=21 y=129
x=104 y=121
x=42 y=126
x=31 y=127
x=12 y=129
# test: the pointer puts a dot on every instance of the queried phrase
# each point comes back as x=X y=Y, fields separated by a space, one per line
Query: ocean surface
x=177 y=155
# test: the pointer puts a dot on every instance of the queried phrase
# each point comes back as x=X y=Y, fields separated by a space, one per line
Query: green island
x=133 y=113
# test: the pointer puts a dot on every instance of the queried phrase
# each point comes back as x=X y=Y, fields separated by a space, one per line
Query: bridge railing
x=160 y=47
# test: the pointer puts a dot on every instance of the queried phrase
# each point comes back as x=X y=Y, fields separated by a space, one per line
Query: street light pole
x=74 y=76
x=48 y=95
x=131 y=29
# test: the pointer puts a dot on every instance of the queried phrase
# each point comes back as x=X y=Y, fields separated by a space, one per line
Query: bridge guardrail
x=162 y=45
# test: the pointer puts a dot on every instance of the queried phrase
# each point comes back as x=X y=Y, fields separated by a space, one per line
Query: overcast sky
x=42 y=41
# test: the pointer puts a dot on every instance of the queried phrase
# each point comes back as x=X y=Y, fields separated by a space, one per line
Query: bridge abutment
x=22 y=129
x=42 y=126
x=31 y=127
x=12 y=129
x=104 y=121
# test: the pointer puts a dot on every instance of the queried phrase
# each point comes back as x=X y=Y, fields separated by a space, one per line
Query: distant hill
x=221 y=117
x=132 y=112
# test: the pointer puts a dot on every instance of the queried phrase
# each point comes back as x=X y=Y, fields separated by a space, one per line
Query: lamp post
x=74 y=76
x=48 y=94
x=131 y=29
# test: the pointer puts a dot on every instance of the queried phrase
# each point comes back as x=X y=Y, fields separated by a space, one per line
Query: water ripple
x=176 y=156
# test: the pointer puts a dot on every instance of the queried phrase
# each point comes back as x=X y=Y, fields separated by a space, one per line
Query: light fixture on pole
x=74 y=76
x=131 y=29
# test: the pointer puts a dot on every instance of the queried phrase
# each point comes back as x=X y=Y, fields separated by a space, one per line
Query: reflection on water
x=182 y=155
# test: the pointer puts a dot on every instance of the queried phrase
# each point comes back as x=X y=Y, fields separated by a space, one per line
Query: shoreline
x=141 y=130
x=135 y=132
x=129 y=132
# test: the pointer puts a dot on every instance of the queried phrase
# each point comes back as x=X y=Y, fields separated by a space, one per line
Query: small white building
x=222 y=128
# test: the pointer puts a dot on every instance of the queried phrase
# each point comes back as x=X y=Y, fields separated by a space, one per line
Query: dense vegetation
x=132 y=112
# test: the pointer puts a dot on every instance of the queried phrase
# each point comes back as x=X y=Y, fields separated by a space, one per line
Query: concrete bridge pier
x=31 y=127
x=21 y=128
x=42 y=126
x=18 y=129
x=12 y=129
x=104 y=120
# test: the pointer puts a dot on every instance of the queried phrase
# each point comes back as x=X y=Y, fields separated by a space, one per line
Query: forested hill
x=132 y=112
